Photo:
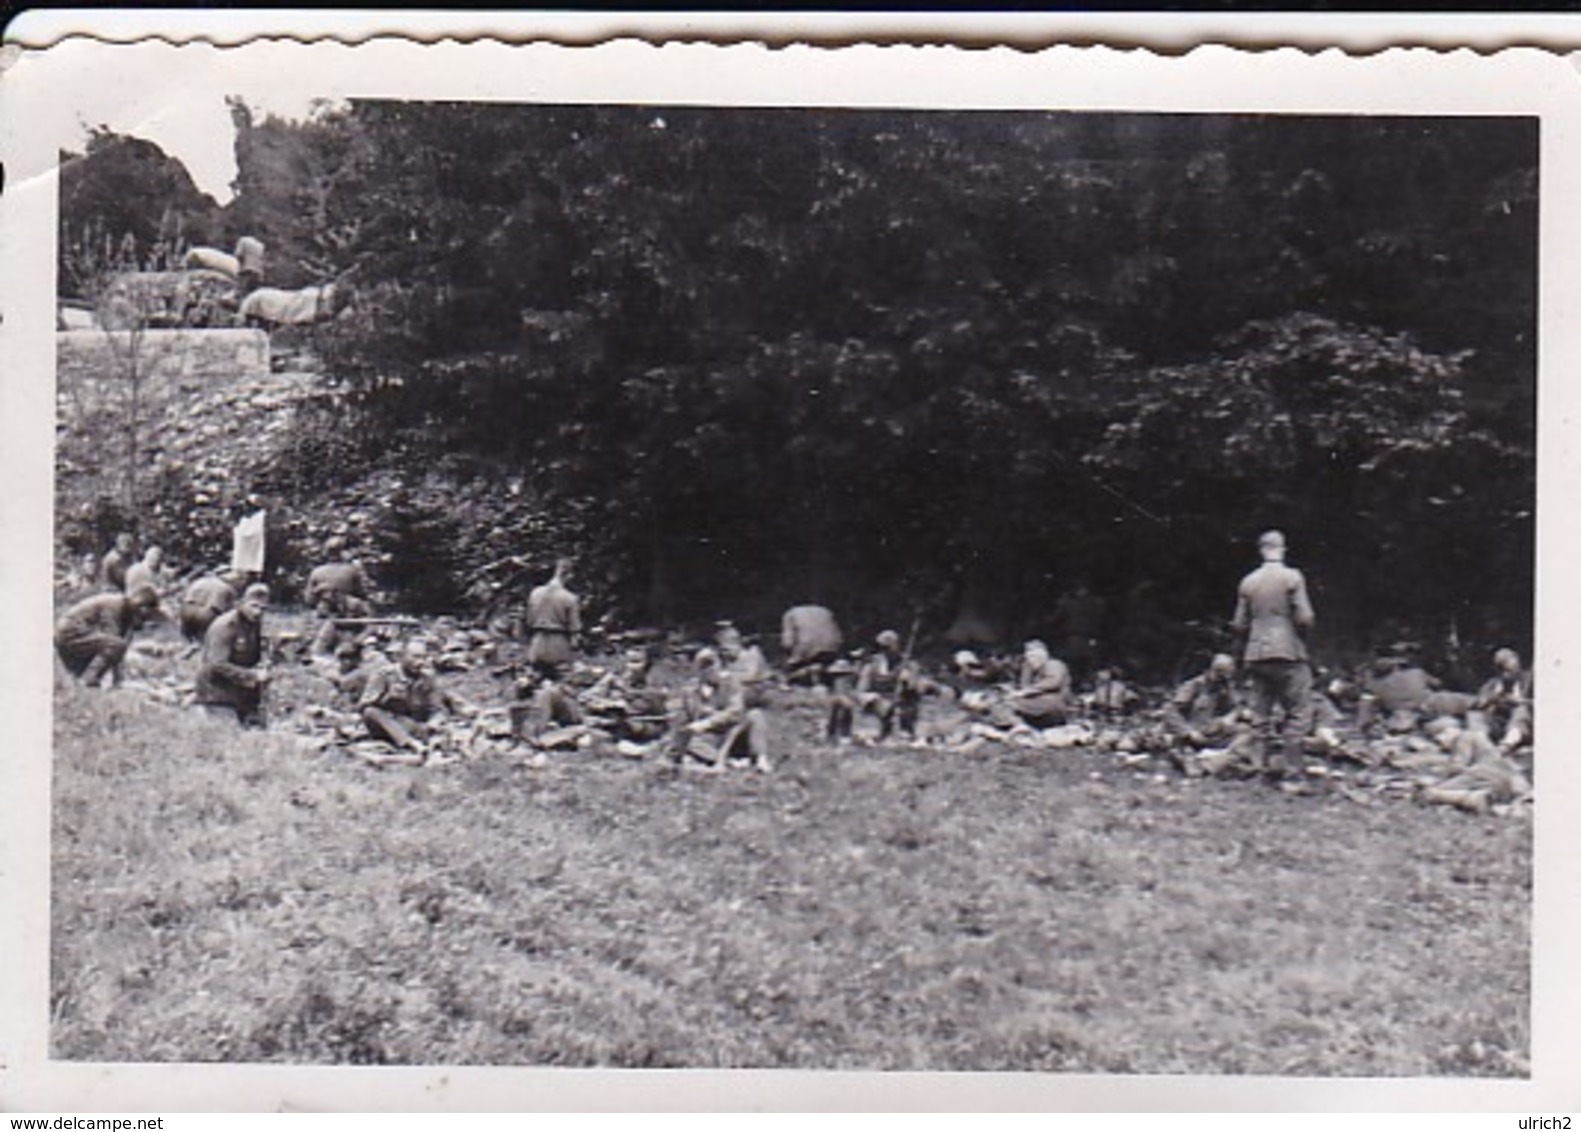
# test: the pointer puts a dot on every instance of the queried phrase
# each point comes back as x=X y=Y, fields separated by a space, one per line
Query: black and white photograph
x=678 y=583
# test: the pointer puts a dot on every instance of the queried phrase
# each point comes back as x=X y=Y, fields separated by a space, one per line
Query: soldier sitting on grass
x=1507 y=700
x=403 y=703
x=1042 y=695
x=889 y=687
x=812 y=639
x=1208 y=708
x=624 y=705
x=840 y=674
x=715 y=705
x=1111 y=698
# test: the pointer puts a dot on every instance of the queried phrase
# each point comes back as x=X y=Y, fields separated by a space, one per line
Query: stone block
x=166 y=358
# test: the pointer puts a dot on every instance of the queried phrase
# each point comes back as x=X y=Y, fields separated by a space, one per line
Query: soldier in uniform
x=1112 y=698
x=812 y=639
x=339 y=588
x=841 y=674
x=1041 y=697
x=1273 y=611
x=116 y=561
x=1483 y=776
x=92 y=636
x=554 y=617
x=401 y=702
x=746 y=661
x=232 y=677
x=888 y=687
x=1397 y=692
x=1507 y=700
x=204 y=600
x=716 y=705
x=624 y=704
x=146 y=572
x=1206 y=708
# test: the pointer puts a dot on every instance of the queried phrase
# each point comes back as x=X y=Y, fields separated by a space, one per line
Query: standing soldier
x=92 y=636
x=231 y=675
x=554 y=616
x=1273 y=611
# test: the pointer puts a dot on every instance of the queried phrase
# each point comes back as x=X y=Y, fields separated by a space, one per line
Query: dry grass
x=226 y=896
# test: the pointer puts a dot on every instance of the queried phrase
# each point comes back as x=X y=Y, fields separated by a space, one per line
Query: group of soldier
x=1261 y=715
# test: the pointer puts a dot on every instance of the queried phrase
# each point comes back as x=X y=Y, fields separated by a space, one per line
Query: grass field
x=228 y=896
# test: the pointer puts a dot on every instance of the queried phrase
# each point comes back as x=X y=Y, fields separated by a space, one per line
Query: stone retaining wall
x=168 y=357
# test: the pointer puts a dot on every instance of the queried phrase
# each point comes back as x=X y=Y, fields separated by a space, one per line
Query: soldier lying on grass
x=1482 y=776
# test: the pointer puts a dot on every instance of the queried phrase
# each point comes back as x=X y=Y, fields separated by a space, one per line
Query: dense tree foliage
x=125 y=205
x=951 y=362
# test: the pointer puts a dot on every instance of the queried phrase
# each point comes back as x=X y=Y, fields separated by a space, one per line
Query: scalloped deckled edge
x=1166 y=33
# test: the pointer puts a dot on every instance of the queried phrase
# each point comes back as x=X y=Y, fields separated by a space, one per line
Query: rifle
x=911 y=638
x=905 y=656
x=360 y=622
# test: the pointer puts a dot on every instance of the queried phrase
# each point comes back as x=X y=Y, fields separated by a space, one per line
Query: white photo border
x=46 y=94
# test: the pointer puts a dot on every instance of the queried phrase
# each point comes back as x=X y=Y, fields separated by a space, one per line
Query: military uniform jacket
x=112 y=571
x=807 y=631
x=227 y=674
x=1271 y=610
x=551 y=608
x=417 y=697
x=1205 y=697
x=336 y=578
x=209 y=593
x=1506 y=691
x=109 y=614
x=138 y=575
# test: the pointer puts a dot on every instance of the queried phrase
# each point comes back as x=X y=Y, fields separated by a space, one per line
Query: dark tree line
x=951 y=363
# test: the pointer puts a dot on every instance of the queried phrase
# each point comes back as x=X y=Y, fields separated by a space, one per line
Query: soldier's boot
x=102 y=664
x=906 y=716
x=841 y=721
x=1251 y=751
x=1474 y=801
x=1276 y=765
